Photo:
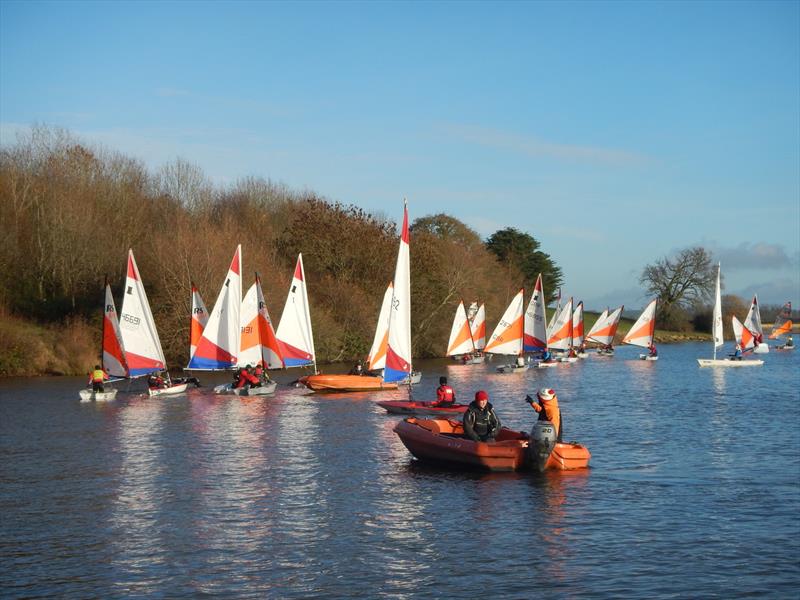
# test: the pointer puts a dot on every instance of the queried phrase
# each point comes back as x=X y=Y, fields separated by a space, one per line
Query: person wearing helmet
x=547 y=407
x=481 y=424
x=445 y=395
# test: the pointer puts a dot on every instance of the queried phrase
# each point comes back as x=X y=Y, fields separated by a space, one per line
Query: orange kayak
x=441 y=440
x=345 y=383
x=402 y=407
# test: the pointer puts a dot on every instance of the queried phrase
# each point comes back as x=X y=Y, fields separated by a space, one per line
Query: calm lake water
x=693 y=490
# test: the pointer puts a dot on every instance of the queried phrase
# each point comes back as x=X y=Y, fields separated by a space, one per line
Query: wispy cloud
x=167 y=92
x=532 y=146
x=759 y=255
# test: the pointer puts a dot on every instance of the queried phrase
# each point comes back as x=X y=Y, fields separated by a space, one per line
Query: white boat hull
x=647 y=357
x=512 y=368
x=261 y=390
x=726 y=362
x=91 y=396
x=544 y=365
x=168 y=391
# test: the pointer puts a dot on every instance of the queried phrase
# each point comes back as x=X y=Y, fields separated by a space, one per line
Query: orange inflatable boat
x=345 y=383
x=443 y=441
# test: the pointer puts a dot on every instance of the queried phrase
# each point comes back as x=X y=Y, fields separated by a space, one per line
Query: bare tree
x=681 y=282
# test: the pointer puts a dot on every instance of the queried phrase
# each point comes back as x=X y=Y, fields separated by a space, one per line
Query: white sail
x=577 y=325
x=478 y=326
x=753 y=320
x=743 y=336
x=199 y=319
x=598 y=324
x=140 y=340
x=218 y=348
x=258 y=342
x=295 y=337
x=460 y=341
x=377 y=354
x=556 y=312
x=717 y=317
x=641 y=334
x=472 y=311
x=605 y=328
x=398 y=355
x=113 y=354
x=508 y=334
x=561 y=336
x=535 y=338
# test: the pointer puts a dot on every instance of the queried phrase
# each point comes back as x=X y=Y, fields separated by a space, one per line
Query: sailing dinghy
x=140 y=341
x=560 y=338
x=643 y=331
x=604 y=330
x=376 y=361
x=113 y=355
x=258 y=345
x=477 y=323
x=461 y=346
x=508 y=335
x=783 y=326
x=753 y=324
x=718 y=339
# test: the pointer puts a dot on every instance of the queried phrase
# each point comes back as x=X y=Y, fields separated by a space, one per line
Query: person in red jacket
x=247 y=379
x=547 y=407
x=445 y=396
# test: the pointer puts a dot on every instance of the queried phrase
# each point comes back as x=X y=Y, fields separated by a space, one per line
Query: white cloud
x=532 y=146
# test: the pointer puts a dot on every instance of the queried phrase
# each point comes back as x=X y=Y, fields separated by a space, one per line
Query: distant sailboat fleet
x=238 y=335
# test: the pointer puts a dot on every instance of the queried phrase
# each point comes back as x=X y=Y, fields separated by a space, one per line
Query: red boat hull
x=441 y=440
x=399 y=407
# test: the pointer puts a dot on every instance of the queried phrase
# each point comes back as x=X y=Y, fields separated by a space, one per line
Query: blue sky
x=613 y=132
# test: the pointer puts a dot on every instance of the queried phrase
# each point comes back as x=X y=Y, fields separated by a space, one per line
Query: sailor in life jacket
x=547 y=407
x=445 y=395
x=97 y=377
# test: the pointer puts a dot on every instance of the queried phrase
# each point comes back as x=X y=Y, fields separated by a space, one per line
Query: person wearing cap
x=445 y=395
x=547 y=407
x=481 y=424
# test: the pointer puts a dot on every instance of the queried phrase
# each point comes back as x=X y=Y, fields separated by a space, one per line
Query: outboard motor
x=543 y=440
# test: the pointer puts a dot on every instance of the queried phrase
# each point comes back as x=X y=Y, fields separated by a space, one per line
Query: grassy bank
x=28 y=349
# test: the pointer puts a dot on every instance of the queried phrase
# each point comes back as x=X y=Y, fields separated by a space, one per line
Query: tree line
x=69 y=213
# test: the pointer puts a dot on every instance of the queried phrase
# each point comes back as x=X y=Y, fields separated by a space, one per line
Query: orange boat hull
x=441 y=440
x=402 y=407
x=345 y=383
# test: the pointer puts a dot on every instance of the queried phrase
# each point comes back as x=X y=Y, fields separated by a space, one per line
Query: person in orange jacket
x=97 y=377
x=445 y=395
x=547 y=407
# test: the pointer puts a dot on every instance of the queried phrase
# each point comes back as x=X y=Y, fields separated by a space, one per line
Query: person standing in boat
x=547 y=407
x=789 y=342
x=652 y=348
x=97 y=377
x=481 y=424
x=445 y=395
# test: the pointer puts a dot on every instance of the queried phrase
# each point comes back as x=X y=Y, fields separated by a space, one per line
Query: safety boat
x=346 y=383
x=405 y=407
x=443 y=441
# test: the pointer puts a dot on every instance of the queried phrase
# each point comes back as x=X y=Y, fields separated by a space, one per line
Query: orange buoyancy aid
x=98 y=376
x=549 y=411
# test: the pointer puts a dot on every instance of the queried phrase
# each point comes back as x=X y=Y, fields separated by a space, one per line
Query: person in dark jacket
x=481 y=424
x=445 y=395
